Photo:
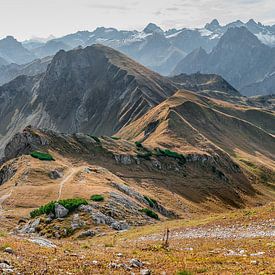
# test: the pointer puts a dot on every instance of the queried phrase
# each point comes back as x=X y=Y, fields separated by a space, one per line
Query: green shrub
x=116 y=138
x=151 y=201
x=150 y=213
x=70 y=204
x=139 y=144
x=171 y=154
x=41 y=156
x=95 y=138
x=97 y=198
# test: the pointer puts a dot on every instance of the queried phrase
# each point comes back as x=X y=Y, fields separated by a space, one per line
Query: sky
x=40 y=18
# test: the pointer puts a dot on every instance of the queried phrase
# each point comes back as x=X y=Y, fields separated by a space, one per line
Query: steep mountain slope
x=190 y=123
x=11 y=71
x=204 y=180
x=239 y=49
x=94 y=90
x=14 y=52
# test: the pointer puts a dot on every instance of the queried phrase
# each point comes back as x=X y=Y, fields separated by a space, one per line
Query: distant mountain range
x=240 y=58
x=159 y=50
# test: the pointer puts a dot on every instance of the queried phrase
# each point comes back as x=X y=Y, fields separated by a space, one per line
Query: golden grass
x=197 y=256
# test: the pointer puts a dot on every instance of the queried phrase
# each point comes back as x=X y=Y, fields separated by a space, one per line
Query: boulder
x=120 y=225
x=60 y=211
x=100 y=218
x=55 y=174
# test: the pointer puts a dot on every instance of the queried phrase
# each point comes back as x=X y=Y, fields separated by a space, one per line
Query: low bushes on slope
x=151 y=201
x=42 y=156
x=97 y=197
x=70 y=204
x=170 y=153
x=96 y=139
x=150 y=213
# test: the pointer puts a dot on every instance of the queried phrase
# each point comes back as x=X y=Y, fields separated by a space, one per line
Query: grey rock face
x=29 y=227
x=100 y=218
x=77 y=222
x=124 y=159
x=23 y=143
x=120 y=225
x=60 y=211
x=7 y=172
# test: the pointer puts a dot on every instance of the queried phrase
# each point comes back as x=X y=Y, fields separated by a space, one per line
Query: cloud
x=108 y=7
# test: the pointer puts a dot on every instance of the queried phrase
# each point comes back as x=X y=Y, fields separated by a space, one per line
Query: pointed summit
x=251 y=22
x=153 y=28
x=214 y=25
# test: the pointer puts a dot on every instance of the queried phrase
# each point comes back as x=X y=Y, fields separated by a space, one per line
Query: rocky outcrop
x=132 y=193
x=24 y=143
x=7 y=171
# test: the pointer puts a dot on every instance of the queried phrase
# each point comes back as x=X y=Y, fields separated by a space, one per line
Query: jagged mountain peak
x=239 y=35
x=152 y=28
x=213 y=25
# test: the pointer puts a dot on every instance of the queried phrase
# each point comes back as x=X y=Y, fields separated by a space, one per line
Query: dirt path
x=72 y=172
x=234 y=231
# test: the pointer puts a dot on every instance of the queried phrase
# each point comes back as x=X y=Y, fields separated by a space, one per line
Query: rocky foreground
x=240 y=241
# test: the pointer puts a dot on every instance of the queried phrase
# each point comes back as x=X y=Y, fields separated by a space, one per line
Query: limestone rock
x=60 y=211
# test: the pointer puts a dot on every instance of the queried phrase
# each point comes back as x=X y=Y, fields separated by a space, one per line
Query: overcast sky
x=27 y=18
